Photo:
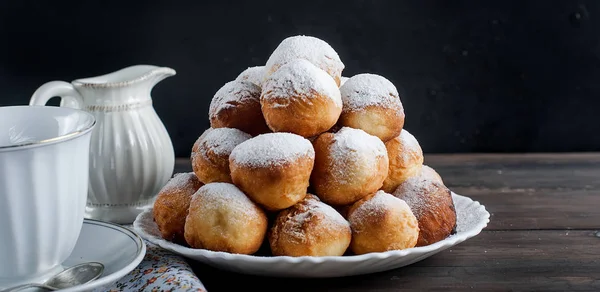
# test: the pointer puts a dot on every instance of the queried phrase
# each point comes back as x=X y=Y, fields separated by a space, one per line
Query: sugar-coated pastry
x=406 y=160
x=372 y=103
x=172 y=203
x=309 y=228
x=300 y=98
x=210 y=153
x=343 y=80
x=312 y=49
x=381 y=222
x=237 y=105
x=223 y=218
x=273 y=169
x=349 y=165
x=432 y=204
x=427 y=171
x=252 y=74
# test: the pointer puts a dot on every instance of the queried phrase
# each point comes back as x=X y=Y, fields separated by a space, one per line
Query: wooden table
x=544 y=233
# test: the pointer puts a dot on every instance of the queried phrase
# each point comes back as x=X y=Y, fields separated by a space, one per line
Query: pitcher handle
x=69 y=97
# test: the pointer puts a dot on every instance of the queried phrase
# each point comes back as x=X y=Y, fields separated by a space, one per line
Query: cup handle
x=69 y=97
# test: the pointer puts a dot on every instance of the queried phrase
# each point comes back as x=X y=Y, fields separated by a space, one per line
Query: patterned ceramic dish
x=472 y=217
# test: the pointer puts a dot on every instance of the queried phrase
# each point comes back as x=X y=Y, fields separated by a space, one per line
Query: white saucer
x=118 y=248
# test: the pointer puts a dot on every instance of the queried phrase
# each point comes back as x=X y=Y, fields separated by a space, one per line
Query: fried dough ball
x=432 y=204
x=223 y=218
x=273 y=169
x=172 y=203
x=210 y=153
x=349 y=165
x=381 y=222
x=237 y=105
x=312 y=49
x=300 y=98
x=372 y=103
x=406 y=160
x=309 y=228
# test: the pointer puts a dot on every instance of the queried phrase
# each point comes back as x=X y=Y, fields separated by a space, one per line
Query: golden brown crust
x=209 y=160
x=275 y=187
x=427 y=171
x=243 y=111
x=222 y=218
x=432 y=204
x=172 y=203
x=343 y=183
x=381 y=222
x=383 y=122
x=309 y=228
x=306 y=116
x=406 y=160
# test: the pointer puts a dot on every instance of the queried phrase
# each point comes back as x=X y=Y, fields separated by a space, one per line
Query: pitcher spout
x=131 y=85
x=127 y=77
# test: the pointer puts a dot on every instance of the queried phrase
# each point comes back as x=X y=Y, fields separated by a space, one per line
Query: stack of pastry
x=308 y=162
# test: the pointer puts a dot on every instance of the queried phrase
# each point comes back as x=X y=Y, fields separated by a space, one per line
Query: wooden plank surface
x=544 y=233
x=519 y=172
x=548 y=260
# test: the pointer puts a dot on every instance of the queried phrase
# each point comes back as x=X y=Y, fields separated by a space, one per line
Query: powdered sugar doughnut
x=372 y=103
x=406 y=160
x=300 y=98
x=273 y=169
x=381 y=222
x=237 y=105
x=210 y=153
x=309 y=228
x=252 y=74
x=432 y=204
x=172 y=203
x=349 y=165
x=312 y=49
x=222 y=218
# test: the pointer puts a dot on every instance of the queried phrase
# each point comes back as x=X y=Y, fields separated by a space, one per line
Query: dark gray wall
x=474 y=76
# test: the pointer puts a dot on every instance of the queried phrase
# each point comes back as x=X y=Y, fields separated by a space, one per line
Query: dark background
x=474 y=76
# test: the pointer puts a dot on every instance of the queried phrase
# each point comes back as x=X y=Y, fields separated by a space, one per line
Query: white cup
x=43 y=188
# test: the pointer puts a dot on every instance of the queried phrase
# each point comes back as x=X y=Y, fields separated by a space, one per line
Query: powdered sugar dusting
x=308 y=48
x=233 y=93
x=300 y=79
x=221 y=141
x=364 y=90
x=226 y=196
x=415 y=190
x=180 y=181
x=351 y=145
x=374 y=206
x=311 y=206
x=272 y=149
x=343 y=80
x=252 y=74
x=410 y=145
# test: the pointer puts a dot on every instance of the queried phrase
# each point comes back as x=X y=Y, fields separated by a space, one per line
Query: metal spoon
x=73 y=276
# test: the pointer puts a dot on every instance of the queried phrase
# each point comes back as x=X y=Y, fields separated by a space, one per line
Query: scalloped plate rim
x=205 y=256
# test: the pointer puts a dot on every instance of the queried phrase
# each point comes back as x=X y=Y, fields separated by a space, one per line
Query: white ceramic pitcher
x=131 y=153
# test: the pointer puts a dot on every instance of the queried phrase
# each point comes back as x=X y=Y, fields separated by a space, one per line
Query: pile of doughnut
x=308 y=163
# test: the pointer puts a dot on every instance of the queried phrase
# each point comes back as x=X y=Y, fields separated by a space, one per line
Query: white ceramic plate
x=118 y=248
x=472 y=217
